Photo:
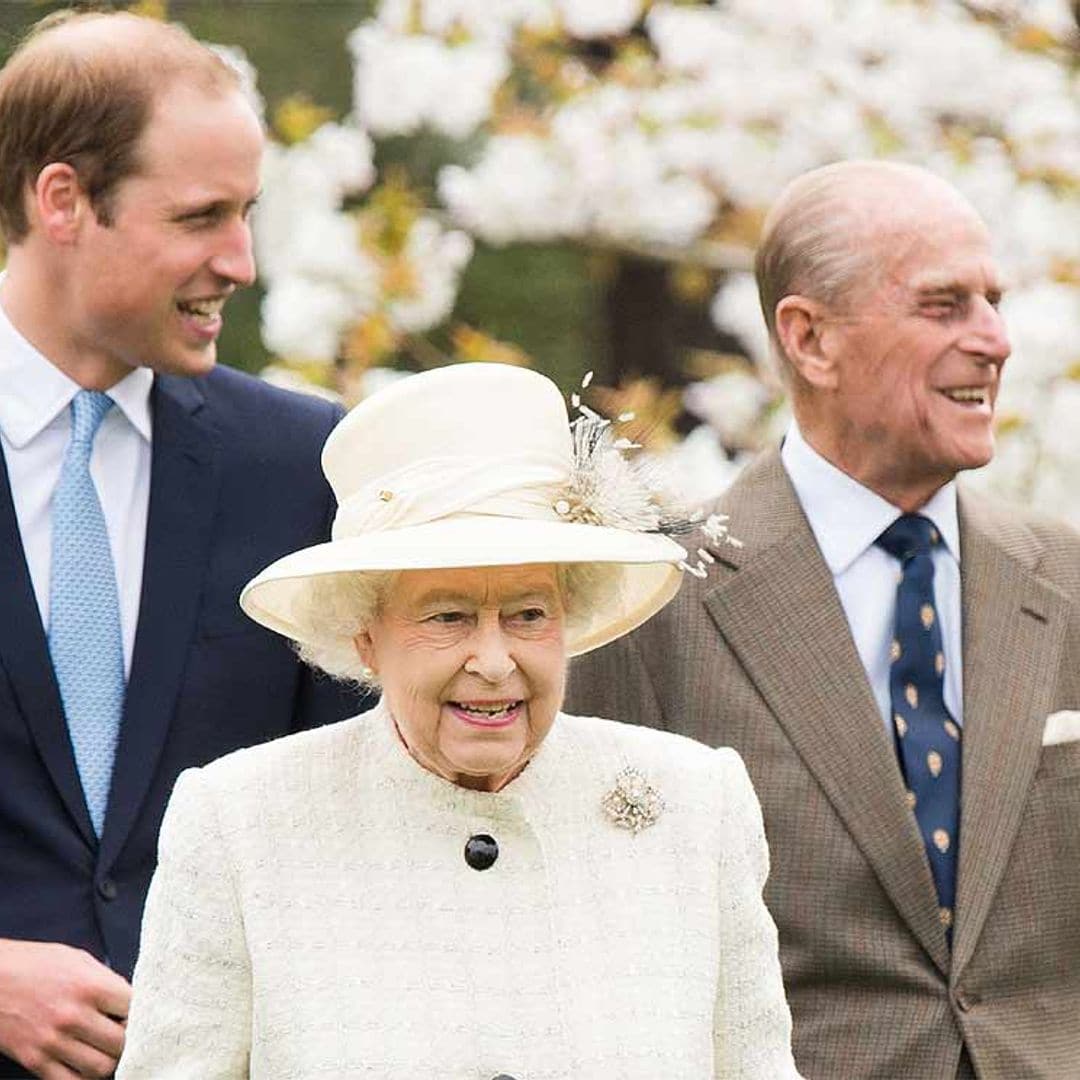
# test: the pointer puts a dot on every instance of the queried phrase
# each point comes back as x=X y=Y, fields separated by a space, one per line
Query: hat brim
x=648 y=575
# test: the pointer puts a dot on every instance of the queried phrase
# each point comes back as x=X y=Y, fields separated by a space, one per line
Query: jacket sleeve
x=751 y=1021
x=191 y=1005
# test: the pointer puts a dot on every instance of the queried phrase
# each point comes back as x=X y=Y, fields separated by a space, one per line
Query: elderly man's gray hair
x=823 y=236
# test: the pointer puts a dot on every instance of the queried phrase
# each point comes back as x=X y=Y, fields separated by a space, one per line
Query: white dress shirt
x=846 y=519
x=35 y=427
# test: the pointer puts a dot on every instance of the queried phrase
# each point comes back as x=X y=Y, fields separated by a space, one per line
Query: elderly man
x=895 y=658
x=139 y=488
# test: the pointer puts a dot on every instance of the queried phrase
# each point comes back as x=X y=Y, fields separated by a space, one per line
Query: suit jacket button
x=966 y=1001
x=481 y=851
x=503 y=1076
x=107 y=889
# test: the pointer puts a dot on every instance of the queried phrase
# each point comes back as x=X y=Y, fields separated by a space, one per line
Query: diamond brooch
x=633 y=803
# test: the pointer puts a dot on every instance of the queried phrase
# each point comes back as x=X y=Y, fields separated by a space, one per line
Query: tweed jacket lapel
x=1014 y=632
x=809 y=673
x=183 y=497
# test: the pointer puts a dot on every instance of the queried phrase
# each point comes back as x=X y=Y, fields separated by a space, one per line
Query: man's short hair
x=80 y=89
x=823 y=237
x=808 y=246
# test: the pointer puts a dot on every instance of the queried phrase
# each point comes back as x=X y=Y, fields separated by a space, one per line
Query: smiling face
x=472 y=664
x=147 y=288
x=916 y=359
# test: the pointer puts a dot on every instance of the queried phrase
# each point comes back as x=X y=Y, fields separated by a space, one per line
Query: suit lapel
x=24 y=653
x=1014 y=629
x=183 y=496
x=812 y=678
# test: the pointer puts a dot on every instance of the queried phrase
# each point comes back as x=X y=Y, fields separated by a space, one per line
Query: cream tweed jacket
x=313 y=915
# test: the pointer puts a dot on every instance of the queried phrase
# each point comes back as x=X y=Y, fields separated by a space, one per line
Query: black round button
x=503 y=1076
x=107 y=889
x=481 y=851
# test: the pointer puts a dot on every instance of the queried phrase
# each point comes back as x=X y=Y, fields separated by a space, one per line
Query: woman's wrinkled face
x=472 y=664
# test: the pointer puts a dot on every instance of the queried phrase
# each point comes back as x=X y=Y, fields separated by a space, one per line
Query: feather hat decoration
x=611 y=485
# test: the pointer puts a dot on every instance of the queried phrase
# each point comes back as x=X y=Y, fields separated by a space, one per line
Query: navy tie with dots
x=927 y=737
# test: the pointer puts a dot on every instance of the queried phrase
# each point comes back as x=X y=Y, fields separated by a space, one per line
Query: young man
x=140 y=487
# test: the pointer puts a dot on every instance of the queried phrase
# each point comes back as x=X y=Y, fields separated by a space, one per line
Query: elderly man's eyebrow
x=931 y=288
x=939 y=283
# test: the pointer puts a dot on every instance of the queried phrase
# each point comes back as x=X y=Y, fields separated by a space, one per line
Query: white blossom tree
x=665 y=129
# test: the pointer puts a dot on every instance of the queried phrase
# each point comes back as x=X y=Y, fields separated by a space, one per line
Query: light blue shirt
x=846 y=519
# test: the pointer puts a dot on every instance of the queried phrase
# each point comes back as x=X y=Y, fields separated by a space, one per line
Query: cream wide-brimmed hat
x=477 y=465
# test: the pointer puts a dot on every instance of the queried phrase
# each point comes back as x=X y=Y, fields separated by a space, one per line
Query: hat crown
x=471 y=465
x=479 y=415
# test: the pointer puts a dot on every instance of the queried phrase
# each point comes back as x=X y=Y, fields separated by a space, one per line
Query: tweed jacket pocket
x=1060 y=761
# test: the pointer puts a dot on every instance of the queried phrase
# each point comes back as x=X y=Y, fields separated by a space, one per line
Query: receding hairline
x=871 y=199
x=131 y=42
x=82 y=89
x=833 y=231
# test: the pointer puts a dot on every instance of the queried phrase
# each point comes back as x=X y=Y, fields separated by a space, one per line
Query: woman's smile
x=487 y=714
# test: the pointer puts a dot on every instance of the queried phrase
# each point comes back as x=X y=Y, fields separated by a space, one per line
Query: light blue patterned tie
x=84 y=611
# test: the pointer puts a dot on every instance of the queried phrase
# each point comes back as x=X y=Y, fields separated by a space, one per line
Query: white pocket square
x=1061 y=727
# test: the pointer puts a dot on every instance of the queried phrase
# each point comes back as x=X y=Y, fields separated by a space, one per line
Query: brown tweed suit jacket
x=759 y=657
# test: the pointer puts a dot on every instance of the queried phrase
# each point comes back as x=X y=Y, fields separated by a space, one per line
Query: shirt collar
x=132 y=397
x=846 y=517
x=36 y=391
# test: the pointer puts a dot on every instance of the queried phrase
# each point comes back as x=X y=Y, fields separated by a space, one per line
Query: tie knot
x=909 y=535
x=88 y=409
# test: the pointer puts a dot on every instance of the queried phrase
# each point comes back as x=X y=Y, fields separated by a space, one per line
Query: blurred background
x=578 y=185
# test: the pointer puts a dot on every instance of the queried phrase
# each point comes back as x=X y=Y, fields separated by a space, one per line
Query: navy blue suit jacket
x=235 y=483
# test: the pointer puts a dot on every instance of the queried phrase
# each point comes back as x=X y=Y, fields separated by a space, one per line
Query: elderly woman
x=464 y=882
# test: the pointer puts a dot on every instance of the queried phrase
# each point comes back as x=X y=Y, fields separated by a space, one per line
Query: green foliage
x=545 y=300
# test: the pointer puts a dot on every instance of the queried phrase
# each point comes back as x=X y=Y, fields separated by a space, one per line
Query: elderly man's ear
x=58 y=202
x=801 y=327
